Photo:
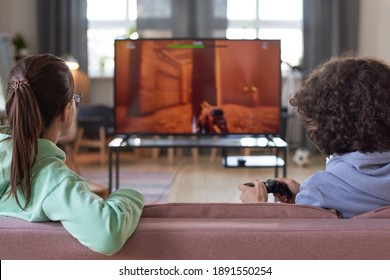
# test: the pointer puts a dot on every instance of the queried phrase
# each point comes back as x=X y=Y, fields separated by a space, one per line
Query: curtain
x=184 y=18
x=330 y=27
x=6 y=64
x=62 y=29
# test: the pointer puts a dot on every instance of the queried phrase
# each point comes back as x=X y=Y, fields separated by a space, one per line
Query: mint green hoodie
x=59 y=194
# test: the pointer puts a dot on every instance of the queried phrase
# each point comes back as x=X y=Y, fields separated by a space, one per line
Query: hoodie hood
x=367 y=172
x=46 y=149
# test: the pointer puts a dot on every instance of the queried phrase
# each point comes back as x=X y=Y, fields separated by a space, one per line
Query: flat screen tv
x=197 y=87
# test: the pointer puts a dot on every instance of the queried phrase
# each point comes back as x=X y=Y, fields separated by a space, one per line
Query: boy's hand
x=294 y=187
x=258 y=193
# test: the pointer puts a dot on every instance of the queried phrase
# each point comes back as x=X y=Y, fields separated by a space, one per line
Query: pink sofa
x=217 y=231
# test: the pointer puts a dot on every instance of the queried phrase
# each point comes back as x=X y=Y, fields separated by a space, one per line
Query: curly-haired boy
x=345 y=107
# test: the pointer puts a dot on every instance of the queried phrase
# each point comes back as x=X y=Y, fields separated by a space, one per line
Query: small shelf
x=276 y=159
x=253 y=161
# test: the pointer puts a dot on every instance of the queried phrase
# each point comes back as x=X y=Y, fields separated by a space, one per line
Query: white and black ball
x=302 y=157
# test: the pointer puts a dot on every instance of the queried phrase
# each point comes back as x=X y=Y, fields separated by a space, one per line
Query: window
x=249 y=19
x=268 y=19
x=106 y=22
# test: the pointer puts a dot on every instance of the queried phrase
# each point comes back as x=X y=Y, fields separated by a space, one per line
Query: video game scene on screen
x=208 y=86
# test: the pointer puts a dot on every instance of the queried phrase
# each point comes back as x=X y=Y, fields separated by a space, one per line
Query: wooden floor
x=202 y=180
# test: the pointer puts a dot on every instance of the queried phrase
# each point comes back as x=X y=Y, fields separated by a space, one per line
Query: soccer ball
x=302 y=157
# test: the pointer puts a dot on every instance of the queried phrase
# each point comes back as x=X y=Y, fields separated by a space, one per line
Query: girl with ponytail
x=35 y=183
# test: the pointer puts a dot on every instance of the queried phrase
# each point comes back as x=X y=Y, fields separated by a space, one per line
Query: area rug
x=153 y=185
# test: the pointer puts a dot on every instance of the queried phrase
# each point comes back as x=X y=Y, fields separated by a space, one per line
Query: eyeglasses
x=77 y=98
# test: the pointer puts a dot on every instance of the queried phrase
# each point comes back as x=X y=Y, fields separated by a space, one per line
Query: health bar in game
x=185 y=46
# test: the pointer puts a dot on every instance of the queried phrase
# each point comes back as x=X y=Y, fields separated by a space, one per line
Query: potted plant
x=20 y=45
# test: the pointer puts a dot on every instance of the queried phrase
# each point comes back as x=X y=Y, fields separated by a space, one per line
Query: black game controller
x=273 y=186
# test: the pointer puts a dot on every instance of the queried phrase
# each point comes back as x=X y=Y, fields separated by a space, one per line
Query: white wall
x=374 y=38
x=102 y=91
x=20 y=16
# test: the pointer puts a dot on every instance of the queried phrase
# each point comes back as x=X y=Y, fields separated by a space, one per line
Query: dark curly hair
x=345 y=105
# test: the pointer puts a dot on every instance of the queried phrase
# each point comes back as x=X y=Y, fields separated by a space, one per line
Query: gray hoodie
x=352 y=184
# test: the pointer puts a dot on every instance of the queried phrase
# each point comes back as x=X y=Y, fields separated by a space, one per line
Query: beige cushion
x=381 y=213
x=239 y=210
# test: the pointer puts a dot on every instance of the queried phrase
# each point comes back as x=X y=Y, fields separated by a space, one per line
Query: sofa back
x=234 y=211
x=216 y=231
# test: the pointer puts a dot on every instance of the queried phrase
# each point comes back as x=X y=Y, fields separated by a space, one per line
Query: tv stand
x=277 y=158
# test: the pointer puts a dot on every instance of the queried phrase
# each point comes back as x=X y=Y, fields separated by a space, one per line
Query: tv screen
x=197 y=87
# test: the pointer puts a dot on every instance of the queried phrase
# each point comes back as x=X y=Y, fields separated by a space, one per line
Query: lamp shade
x=72 y=63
